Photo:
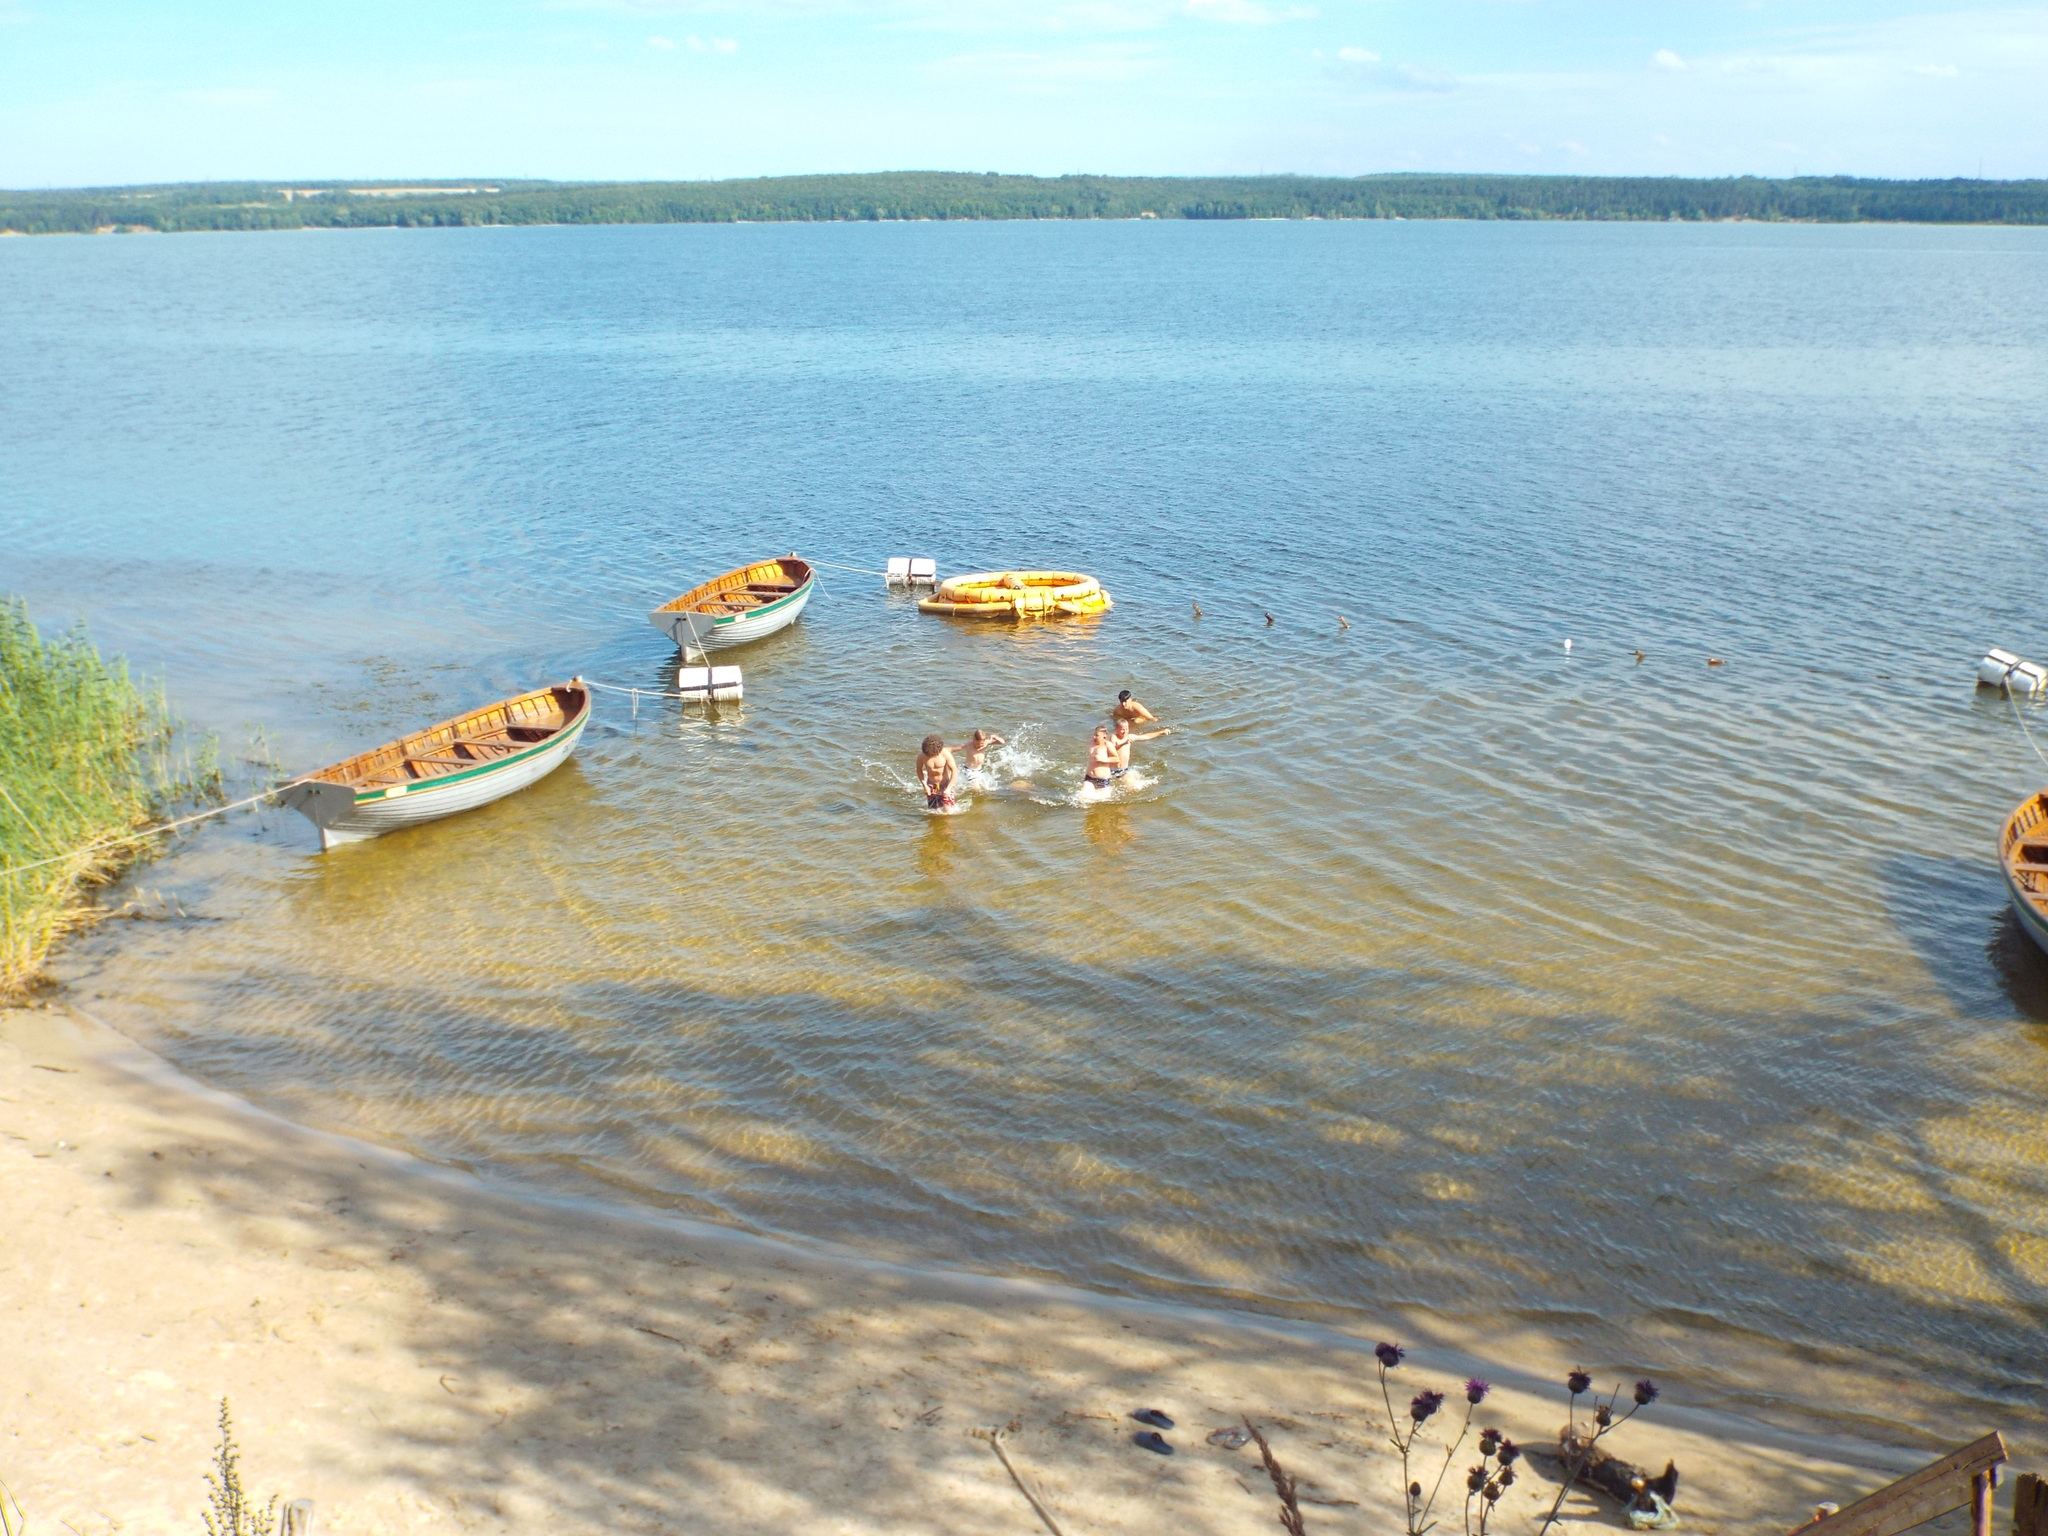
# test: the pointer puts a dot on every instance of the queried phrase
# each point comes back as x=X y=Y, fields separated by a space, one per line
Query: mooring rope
x=142 y=836
x=645 y=693
x=2015 y=703
x=859 y=569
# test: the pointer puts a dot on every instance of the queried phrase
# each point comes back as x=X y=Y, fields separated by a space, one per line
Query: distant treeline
x=955 y=195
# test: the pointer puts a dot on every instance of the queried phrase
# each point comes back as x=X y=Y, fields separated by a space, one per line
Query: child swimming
x=1129 y=711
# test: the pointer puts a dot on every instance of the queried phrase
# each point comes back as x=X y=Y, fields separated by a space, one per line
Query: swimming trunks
x=938 y=802
x=1117 y=773
x=1091 y=779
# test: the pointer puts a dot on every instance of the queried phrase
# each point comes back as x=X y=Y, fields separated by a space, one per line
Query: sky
x=100 y=92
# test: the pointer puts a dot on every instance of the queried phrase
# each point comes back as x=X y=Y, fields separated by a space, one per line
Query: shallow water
x=1654 y=1011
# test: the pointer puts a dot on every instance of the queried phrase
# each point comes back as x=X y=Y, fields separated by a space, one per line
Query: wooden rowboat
x=2023 y=859
x=742 y=605
x=454 y=766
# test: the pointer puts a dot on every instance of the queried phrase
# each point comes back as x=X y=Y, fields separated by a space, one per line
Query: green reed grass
x=85 y=760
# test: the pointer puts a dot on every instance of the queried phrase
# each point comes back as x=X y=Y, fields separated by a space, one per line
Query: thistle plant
x=1575 y=1451
x=1493 y=1476
x=229 y=1509
x=1489 y=1479
x=1421 y=1409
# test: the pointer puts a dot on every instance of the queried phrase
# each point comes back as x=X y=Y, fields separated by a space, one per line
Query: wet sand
x=412 y=1350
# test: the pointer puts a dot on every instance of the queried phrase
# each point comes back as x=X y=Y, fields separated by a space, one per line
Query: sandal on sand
x=1153 y=1441
x=1153 y=1417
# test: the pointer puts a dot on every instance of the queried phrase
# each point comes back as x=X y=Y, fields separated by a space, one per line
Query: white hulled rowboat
x=742 y=605
x=454 y=766
x=2023 y=859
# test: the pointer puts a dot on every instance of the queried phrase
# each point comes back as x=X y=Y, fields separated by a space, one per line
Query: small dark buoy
x=1269 y=621
x=1342 y=622
x=1153 y=1441
x=1639 y=658
x=1715 y=661
x=1198 y=610
x=1153 y=1417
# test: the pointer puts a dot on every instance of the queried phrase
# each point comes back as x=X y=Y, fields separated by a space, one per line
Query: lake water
x=1658 y=1013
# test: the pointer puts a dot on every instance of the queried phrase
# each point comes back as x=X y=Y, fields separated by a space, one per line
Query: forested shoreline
x=959 y=195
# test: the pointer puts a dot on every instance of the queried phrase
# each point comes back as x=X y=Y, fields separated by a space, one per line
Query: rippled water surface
x=1654 y=1010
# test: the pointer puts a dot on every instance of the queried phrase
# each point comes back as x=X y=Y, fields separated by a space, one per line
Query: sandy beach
x=413 y=1351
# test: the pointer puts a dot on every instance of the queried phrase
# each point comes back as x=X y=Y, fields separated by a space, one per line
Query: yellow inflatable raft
x=1018 y=595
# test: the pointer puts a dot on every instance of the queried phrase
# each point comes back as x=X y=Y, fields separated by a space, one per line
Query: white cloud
x=1939 y=71
x=234 y=97
x=1247 y=12
x=1034 y=73
x=1361 y=68
x=698 y=7
x=664 y=44
x=1664 y=58
x=698 y=44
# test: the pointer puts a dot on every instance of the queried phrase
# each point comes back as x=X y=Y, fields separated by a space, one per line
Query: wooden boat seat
x=2031 y=853
x=482 y=752
x=771 y=586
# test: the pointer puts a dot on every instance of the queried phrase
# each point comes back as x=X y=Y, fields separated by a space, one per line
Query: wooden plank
x=1934 y=1490
x=2029 y=1506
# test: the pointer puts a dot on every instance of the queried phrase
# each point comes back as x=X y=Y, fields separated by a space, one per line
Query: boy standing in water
x=1101 y=761
x=1122 y=742
x=937 y=773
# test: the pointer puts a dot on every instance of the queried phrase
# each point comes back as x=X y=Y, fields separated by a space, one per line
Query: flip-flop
x=1231 y=1439
x=1153 y=1441
x=1153 y=1417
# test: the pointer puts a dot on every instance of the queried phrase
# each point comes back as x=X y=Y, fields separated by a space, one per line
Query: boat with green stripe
x=457 y=765
x=746 y=603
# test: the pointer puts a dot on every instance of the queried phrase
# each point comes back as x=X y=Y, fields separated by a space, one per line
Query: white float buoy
x=711 y=684
x=2002 y=669
x=1567 y=647
x=902 y=571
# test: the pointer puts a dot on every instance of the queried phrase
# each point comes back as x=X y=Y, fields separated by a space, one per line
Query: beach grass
x=85 y=761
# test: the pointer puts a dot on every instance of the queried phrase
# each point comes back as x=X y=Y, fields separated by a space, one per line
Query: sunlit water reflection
x=1658 y=1011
